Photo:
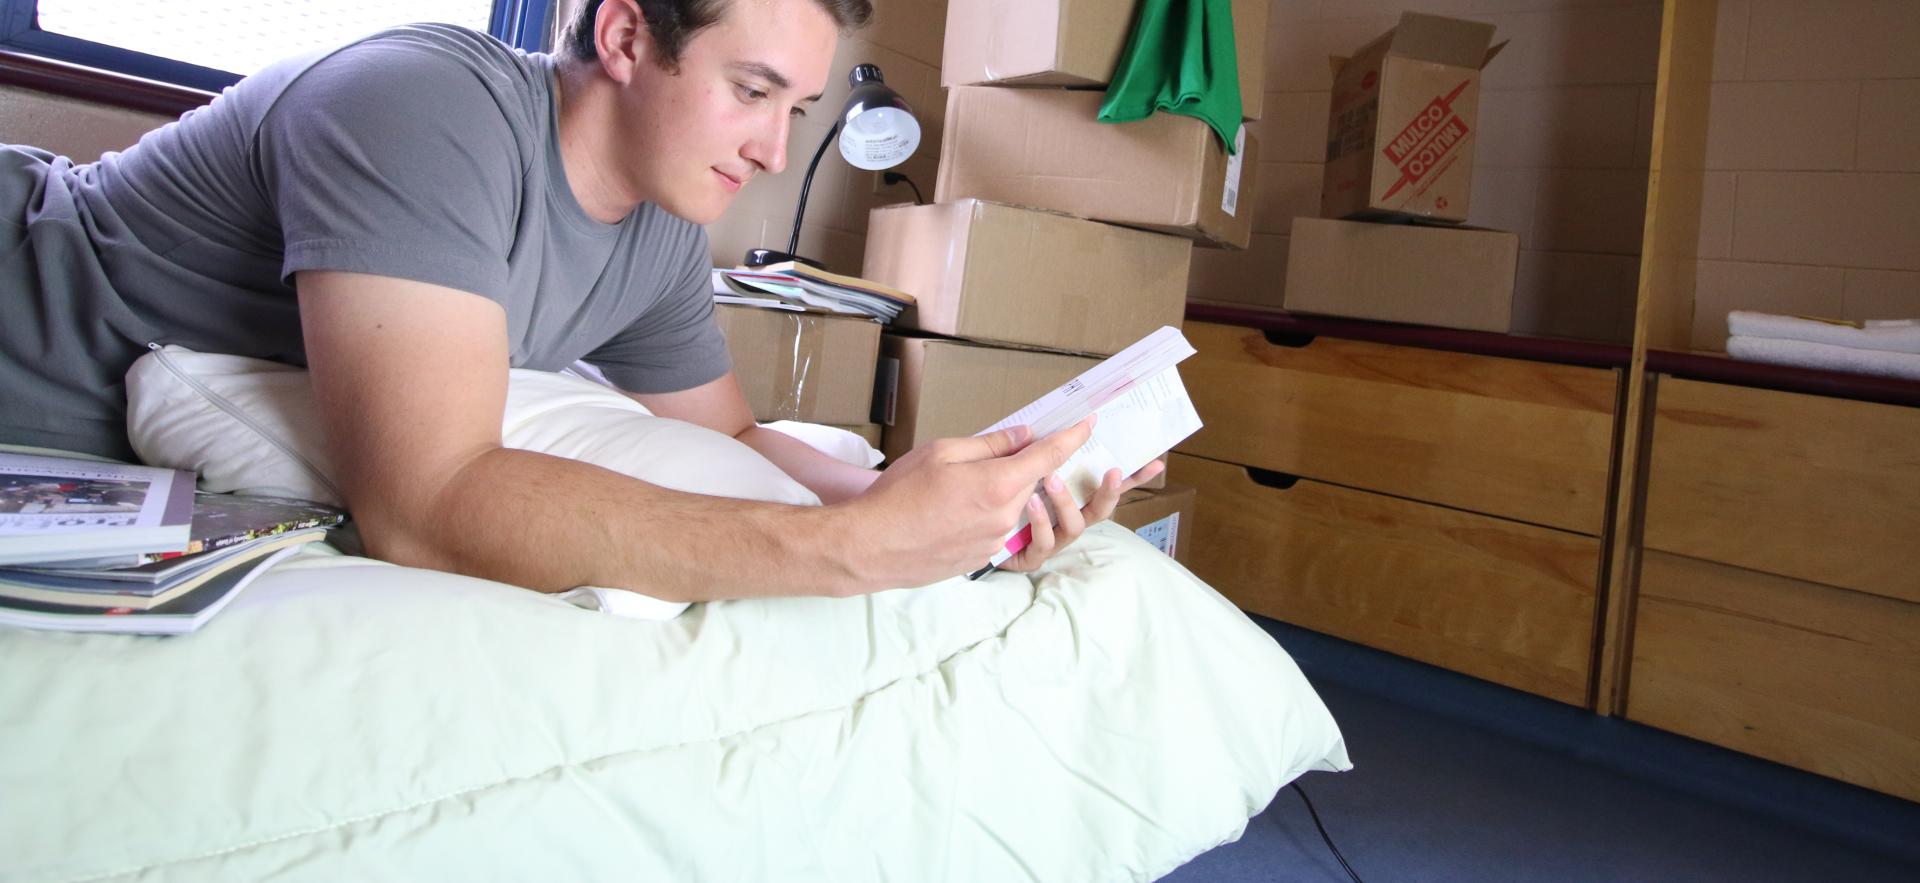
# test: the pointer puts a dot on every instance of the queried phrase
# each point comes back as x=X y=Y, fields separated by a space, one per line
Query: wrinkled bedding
x=1105 y=719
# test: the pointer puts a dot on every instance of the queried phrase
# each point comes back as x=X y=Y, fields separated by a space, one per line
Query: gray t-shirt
x=427 y=152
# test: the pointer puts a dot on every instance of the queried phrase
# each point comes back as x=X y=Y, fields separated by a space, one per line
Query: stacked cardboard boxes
x=1054 y=239
x=1391 y=244
x=1014 y=135
x=810 y=367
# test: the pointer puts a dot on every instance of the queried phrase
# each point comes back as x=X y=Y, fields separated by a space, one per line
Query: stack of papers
x=112 y=547
x=171 y=607
x=792 y=286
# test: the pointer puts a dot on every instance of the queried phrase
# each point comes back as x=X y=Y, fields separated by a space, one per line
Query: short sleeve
x=397 y=158
x=675 y=344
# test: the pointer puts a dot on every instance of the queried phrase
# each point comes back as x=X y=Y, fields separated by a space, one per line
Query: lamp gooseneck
x=793 y=242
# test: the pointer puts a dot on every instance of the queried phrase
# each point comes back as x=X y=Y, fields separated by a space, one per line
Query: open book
x=1144 y=411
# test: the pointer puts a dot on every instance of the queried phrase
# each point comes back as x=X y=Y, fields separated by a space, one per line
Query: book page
x=1074 y=400
x=1144 y=411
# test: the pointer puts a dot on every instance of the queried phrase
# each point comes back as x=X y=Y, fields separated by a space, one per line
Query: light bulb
x=879 y=139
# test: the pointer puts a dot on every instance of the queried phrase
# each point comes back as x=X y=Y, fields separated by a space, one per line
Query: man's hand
x=947 y=506
x=1051 y=534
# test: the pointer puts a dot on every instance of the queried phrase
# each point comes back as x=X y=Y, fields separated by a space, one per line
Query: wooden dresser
x=1778 y=604
x=1454 y=507
x=1445 y=506
x=1723 y=550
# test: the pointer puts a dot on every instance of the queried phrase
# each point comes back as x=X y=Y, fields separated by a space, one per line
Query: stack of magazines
x=796 y=286
x=107 y=547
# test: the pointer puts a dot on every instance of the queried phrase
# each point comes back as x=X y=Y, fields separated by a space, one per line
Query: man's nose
x=769 y=150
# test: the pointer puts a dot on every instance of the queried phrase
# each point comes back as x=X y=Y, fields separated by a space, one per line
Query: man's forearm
x=830 y=479
x=551 y=524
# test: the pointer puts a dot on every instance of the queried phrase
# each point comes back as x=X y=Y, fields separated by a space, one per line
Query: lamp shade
x=877 y=128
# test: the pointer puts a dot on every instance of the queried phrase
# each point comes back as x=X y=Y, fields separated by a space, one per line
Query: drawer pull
x=1269 y=478
x=1290 y=339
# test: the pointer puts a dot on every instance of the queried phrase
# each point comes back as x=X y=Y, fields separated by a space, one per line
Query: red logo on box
x=1433 y=134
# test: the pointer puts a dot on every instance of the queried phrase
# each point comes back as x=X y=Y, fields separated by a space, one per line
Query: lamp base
x=761 y=257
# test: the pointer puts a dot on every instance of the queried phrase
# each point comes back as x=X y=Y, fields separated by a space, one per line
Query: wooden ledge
x=1692 y=366
x=95 y=85
x=1786 y=378
x=1538 y=349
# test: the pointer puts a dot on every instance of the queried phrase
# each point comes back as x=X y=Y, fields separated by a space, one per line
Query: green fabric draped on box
x=1180 y=59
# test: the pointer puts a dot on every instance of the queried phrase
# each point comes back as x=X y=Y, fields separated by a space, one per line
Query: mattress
x=1106 y=718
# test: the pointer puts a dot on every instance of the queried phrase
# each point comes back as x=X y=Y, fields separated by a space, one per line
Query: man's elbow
x=397 y=539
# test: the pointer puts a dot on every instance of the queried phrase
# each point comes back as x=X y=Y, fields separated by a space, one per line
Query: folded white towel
x=1888 y=335
x=1806 y=354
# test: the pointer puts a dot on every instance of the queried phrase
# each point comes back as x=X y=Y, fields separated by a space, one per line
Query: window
x=208 y=44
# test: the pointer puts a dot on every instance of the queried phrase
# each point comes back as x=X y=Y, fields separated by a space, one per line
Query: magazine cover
x=221 y=520
x=56 y=507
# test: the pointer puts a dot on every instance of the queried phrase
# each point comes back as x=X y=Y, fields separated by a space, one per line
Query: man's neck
x=586 y=142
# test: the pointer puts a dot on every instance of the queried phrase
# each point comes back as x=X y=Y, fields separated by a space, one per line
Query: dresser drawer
x=1812 y=676
x=1508 y=602
x=1820 y=489
x=1524 y=440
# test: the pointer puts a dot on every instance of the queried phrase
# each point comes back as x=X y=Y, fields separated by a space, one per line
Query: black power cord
x=892 y=178
x=1323 y=832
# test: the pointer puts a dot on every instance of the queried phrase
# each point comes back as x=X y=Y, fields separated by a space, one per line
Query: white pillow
x=250 y=426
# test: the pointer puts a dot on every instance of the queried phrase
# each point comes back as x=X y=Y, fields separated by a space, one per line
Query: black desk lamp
x=877 y=131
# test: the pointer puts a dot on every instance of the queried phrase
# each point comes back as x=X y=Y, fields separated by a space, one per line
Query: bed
x=1107 y=718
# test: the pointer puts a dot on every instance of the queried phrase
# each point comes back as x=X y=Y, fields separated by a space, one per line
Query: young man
x=414 y=213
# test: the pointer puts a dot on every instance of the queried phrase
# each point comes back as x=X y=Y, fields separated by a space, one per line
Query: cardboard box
x=1043 y=148
x=1253 y=277
x=1074 y=43
x=1003 y=274
x=1402 y=121
x=813 y=367
x=1163 y=518
x=951 y=389
x=1427 y=274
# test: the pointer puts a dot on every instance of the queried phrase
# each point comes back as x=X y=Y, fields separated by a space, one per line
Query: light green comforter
x=346 y=720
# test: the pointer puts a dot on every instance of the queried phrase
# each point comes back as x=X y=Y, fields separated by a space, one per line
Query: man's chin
x=702 y=211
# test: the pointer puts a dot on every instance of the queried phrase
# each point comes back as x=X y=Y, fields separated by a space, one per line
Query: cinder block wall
x=1812 y=201
x=1564 y=135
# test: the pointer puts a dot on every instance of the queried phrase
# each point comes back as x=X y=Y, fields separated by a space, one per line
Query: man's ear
x=621 y=38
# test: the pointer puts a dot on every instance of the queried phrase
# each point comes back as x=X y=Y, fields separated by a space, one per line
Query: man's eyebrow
x=778 y=79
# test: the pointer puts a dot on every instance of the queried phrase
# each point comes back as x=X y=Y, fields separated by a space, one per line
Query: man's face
x=702 y=131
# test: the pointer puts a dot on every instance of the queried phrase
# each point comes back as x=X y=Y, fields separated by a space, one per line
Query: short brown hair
x=671 y=23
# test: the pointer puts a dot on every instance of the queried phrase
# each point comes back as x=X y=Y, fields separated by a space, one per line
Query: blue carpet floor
x=1458 y=780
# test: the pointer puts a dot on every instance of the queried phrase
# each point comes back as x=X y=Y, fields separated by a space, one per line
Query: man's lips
x=732 y=183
